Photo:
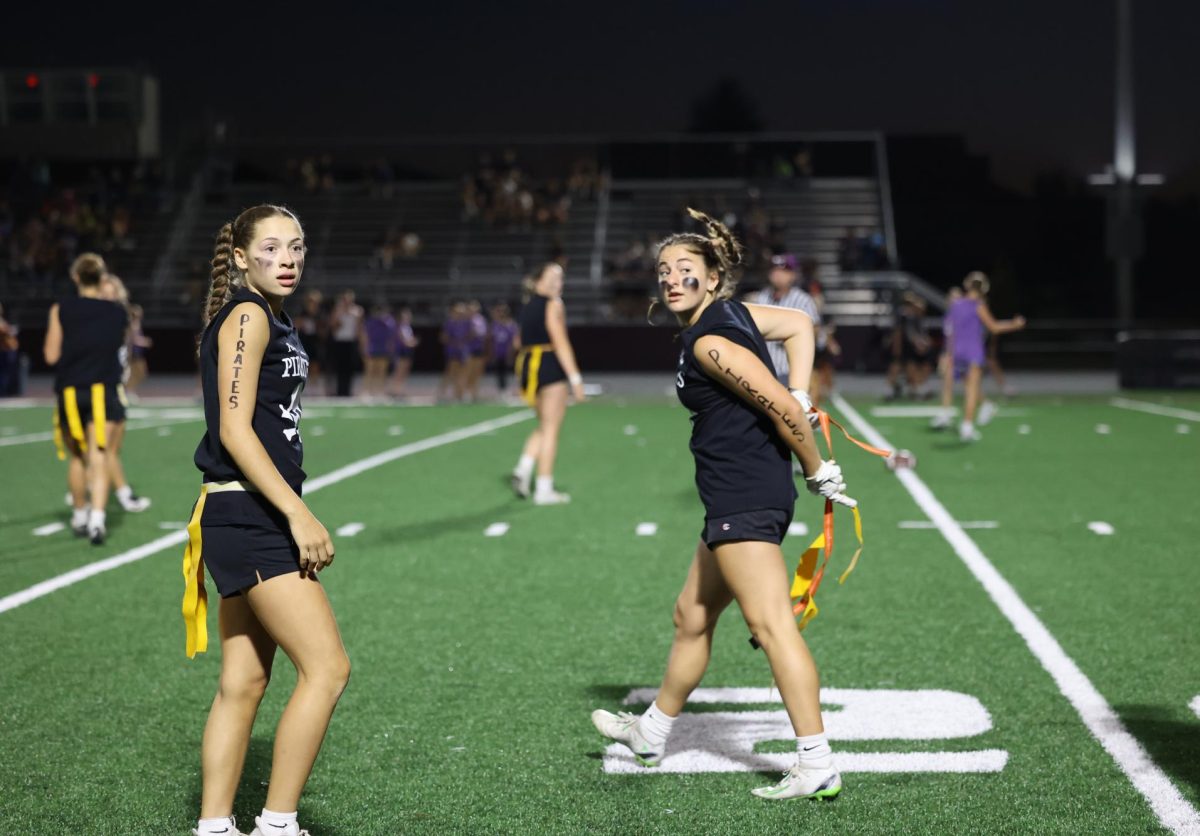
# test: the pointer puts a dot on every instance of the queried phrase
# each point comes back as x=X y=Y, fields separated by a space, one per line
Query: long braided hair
x=226 y=277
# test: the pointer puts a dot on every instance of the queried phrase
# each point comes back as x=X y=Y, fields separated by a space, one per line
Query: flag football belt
x=70 y=406
x=533 y=356
x=808 y=574
x=195 y=596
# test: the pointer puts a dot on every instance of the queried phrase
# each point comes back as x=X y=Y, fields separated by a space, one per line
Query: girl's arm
x=795 y=330
x=241 y=344
x=52 y=347
x=998 y=326
x=740 y=371
x=556 y=327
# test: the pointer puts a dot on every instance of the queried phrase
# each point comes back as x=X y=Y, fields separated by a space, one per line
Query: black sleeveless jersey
x=532 y=320
x=276 y=419
x=741 y=462
x=93 y=336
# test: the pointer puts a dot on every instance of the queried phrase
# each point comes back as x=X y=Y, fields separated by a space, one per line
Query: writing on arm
x=742 y=372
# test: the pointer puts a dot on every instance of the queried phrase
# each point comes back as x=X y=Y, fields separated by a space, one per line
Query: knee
x=769 y=629
x=244 y=686
x=332 y=676
x=691 y=619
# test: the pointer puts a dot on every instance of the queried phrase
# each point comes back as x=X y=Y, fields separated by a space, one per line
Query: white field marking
x=7 y=431
x=1103 y=429
x=24 y=403
x=32 y=438
x=175 y=538
x=646 y=529
x=1101 y=527
x=963 y=524
x=726 y=741
x=169 y=525
x=193 y=413
x=48 y=529
x=163 y=432
x=395 y=430
x=317 y=430
x=933 y=411
x=1155 y=409
x=797 y=529
x=496 y=529
x=630 y=429
x=349 y=529
x=1024 y=429
x=1195 y=705
x=1171 y=808
x=1182 y=429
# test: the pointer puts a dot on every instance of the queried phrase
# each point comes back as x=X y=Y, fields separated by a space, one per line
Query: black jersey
x=741 y=462
x=93 y=336
x=276 y=419
x=532 y=320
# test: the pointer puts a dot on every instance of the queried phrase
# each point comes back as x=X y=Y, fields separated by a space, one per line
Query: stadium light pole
x=1121 y=181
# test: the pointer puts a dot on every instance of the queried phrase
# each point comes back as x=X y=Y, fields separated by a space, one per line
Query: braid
x=223 y=274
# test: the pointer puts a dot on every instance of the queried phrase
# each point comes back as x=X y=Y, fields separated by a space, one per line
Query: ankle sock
x=656 y=725
x=524 y=467
x=814 y=752
x=276 y=824
x=545 y=485
x=220 y=826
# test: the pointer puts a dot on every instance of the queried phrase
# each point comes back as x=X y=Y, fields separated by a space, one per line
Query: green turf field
x=477 y=659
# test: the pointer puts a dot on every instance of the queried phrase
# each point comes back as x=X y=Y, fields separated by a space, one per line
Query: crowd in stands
x=501 y=192
x=861 y=250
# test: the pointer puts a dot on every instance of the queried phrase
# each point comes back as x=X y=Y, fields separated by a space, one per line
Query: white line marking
x=1101 y=527
x=618 y=761
x=317 y=430
x=163 y=432
x=630 y=429
x=349 y=529
x=32 y=438
x=1155 y=409
x=932 y=411
x=395 y=430
x=1024 y=429
x=646 y=529
x=1195 y=704
x=1171 y=808
x=1182 y=429
x=963 y=524
x=797 y=529
x=496 y=529
x=16 y=599
x=1103 y=429
x=48 y=529
x=176 y=525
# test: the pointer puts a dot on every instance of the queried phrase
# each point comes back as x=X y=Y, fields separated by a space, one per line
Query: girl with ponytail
x=746 y=426
x=261 y=544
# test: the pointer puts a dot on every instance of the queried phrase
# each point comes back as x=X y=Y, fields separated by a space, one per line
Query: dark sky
x=1028 y=83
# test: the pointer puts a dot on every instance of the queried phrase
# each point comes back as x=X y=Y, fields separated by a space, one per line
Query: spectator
x=346 y=332
x=10 y=358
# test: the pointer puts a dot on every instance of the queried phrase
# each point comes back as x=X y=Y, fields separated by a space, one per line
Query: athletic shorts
x=79 y=406
x=768 y=525
x=243 y=541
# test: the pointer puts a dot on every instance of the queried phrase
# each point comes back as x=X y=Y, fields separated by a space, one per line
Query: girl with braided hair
x=250 y=527
x=745 y=428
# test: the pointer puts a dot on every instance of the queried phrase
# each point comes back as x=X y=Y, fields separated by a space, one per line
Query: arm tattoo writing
x=763 y=401
x=235 y=386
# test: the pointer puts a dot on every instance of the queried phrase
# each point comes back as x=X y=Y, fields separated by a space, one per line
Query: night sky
x=1028 y=83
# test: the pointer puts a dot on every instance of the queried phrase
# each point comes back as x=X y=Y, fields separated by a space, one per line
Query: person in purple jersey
x=503 y=339
x=406 y=345
x=476 y=348
x=966 y=321
x=455 y=333
x=378 y=345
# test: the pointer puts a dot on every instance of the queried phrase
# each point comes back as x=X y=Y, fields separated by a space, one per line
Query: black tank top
x=276 y=419
x=741 y=462
x=93 y=336
x=533 y=322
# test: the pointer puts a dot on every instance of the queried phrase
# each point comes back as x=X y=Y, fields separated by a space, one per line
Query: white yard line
x=176 y=538
x=1155 y=409
x=1172 y=809
x=32 y=438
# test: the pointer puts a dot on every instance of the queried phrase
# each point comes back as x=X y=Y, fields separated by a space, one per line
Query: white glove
x=829 y=483
x=814 y=417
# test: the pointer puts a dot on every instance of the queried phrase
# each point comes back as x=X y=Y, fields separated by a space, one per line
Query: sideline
x=1168 y=804
x=176 y=538
x=1154 y=408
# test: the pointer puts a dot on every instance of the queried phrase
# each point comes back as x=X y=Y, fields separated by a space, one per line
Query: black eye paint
x=691 y=282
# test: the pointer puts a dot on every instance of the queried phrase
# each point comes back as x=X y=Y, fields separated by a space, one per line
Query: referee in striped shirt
x=783 y=293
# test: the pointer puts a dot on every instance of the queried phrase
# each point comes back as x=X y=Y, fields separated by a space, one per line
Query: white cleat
x=96 y=534
x=521 y=485
x=941 y=421
x=134 y=504
x=799 y=782
x=987 y=411
x=293 y=830
x=967 y=433
x=230 y=831
x=551 y=498
x=625 y=729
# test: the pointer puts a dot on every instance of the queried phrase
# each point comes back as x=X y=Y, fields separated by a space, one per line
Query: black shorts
x=549 y=371
x=768 y=525
x=79 y=406
x=241 y=545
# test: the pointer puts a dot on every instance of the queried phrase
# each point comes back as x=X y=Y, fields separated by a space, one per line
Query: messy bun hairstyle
x=717 y=246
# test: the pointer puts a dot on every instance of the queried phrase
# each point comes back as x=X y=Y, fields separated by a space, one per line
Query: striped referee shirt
x=796 y=299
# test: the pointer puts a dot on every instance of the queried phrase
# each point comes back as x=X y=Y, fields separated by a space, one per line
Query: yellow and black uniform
x=536 y=364
x=87 y=379
x=241 y=537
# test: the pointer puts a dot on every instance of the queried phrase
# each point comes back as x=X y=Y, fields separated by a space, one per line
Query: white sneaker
x=232 y=831
x=987 y=411
x=522 y=485
x=941 y=421
x=551 y=497
x=292 y=830
x=799 y=782
x=967 y=432
x=97 y=533
x=624 y=728
x=134 y=504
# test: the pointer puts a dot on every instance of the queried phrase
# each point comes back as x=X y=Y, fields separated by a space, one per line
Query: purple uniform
x=381 y=335
x=965 y=330
x=458 y=332
x=503 y=334
x=478 y=335
x=404 y=340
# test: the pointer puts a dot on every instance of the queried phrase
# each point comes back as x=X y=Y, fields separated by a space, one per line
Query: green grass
x=477 y=660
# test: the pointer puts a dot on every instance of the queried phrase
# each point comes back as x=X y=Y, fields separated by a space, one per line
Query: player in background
x=454 y=336
x=406 y=346
x=745 y=428
x=476 y=349
x=967 y=320
x=378 y=345
x=84 y=337
x=258 y=539
x=502 y=339
x=312 y=324
x=545 y=368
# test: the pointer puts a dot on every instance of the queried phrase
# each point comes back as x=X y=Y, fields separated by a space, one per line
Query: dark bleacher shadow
x=1172 y=744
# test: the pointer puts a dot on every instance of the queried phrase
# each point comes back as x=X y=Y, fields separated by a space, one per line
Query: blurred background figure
x=345 y=332
x=502 y=337
x=477 y=335
x=456 y=333
x=378 y=346
x=782 y=292
x=10 y=358
x=911 y=350
x=312 y=324
x=406 y=346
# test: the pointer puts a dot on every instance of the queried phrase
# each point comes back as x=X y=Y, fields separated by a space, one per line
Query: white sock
x=968 y=427
x=79 y=516
x=524 y=466
x=216 y=827
x=96 y=519
x=656 y=725
x=814 y=752
x=545 y=485
x=124 y=493
x=276 y=824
